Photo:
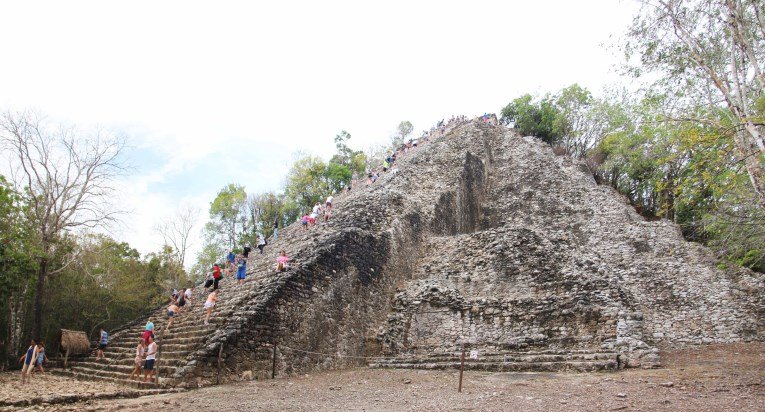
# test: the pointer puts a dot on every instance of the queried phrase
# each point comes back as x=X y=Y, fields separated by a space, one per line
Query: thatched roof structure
x=75 y=341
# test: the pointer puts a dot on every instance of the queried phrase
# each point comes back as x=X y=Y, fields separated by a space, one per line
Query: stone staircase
x=179 y=346
x=527 y=361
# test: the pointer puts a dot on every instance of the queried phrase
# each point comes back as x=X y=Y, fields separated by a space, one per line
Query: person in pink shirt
x=304 y=221
x=281 y=262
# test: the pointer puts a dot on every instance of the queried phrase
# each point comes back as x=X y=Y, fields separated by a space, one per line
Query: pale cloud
x=215 y=92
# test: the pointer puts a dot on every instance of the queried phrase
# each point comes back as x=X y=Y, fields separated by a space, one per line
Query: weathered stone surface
x=559 y=263
x=481 y=239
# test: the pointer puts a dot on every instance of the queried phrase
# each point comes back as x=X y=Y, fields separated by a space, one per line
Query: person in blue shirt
x=148 y=330
x=241 y=271
x=102 y=344
x=231 y=258
x=28 y=358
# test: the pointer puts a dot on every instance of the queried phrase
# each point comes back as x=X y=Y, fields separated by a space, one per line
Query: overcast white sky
x=209 y=93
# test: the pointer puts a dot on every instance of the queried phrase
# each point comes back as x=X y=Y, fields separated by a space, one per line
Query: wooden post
x=220 y=355
x=157 y=356
x=273 y=364
x=66 y=357
x=462 y=366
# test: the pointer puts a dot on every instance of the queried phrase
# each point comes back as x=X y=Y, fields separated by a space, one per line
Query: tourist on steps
x=151 y=356
x=190 y=295
x=231 y=260
x=282 y=262
x=209 y=304
x=304 y=221
x=261 y=243
x=172 y=310
x=140 y=350
x=148 y=330
x=181 y=300
x=213 y=277
x=102 y=344
x=328 y=203
x=28 y=358
x=241 y=269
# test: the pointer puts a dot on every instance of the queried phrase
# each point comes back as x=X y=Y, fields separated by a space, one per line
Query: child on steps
x=282 y=262
x=172 y=310
x=140 y=350
x=209 y=304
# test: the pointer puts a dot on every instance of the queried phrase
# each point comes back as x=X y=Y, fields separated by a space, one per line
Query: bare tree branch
x=66 y=179
x=176 y=231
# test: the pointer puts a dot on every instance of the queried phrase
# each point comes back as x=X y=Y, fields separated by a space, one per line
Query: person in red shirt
x=214 y=277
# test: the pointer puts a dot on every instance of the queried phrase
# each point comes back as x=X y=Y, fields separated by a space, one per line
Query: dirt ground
x=709 y=378
x=47 y=387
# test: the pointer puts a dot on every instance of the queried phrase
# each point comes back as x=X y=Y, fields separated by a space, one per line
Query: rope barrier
x=335 y=355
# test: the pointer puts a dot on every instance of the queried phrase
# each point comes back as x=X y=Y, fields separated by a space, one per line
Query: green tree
x=307 y=184
x=534 y=118
x=17 y=266
x=573 y=122
x=263 y=210
x=353 y=160
x=708 y=54
x=111 y=283
x=211 y=253
x=403 y=130
x=227 y=216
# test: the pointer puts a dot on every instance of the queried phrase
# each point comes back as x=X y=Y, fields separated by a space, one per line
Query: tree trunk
x=15 y=323
x=42 y=274
x=752 y=157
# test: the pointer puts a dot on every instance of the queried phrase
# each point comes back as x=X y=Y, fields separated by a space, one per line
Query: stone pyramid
x=479 y=239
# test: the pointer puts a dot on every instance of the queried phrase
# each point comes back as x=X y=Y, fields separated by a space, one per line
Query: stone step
x=92 y=367
x=183 y=331
x=130 y=354
x=577 y=366
x=171 y=352
x=116 y=374
x=120 y=381
x=127 y=361
x=196 y=313
x=166 y=340
x=195 y=324
x=505 y=357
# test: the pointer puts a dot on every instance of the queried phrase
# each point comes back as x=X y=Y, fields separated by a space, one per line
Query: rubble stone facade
x=481 y=239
